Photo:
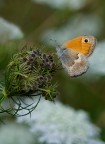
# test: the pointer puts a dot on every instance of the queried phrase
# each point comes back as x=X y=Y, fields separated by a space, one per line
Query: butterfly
x=74 y=54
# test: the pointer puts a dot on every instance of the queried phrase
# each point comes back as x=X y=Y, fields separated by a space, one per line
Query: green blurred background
x=44 y=22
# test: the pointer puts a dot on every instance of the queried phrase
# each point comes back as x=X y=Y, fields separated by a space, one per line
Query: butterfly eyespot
x=86 y=40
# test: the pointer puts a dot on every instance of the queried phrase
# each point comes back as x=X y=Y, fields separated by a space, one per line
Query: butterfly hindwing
x=74 y=62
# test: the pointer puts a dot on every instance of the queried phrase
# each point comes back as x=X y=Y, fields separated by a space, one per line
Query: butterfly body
x=74 y=54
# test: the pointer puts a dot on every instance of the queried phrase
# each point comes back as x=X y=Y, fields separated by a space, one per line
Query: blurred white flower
x=89 y=142
x=72 y=4
x=80 y=25
x=15 y=134
x=57 y=124
x=9 y=31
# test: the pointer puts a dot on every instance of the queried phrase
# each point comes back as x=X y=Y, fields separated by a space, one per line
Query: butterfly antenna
x=56 y=43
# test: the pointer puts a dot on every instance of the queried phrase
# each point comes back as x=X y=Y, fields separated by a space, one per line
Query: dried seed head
x=30 y=72
x=35 y=71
